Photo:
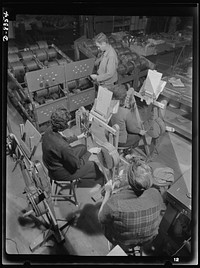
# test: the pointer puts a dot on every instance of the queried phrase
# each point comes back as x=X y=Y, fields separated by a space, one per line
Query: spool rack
x=39 y=92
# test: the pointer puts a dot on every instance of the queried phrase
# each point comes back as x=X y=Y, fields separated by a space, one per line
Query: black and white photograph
x=100 y=133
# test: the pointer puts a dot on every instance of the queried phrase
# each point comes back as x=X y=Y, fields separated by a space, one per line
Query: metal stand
x=37 y=189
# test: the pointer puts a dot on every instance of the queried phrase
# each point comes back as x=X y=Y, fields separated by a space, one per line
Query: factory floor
x=85 y=236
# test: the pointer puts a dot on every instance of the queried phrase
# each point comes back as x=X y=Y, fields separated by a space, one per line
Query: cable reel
x=13 y=58
x=12 y=50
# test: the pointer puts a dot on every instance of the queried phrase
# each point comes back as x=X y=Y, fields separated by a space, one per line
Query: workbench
x=179 y=109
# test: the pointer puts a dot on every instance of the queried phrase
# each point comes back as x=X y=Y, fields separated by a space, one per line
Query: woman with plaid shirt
x=132 y=216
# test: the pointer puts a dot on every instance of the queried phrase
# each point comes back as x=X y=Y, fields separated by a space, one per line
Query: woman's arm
x=102 y=214
x=132 y=125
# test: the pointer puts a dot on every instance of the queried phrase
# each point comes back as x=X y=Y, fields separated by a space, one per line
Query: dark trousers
x=88 y=169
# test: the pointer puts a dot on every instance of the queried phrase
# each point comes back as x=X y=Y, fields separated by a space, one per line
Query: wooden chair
x=58 y=186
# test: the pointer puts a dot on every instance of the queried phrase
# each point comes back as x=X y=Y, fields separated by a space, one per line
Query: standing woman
x=108 y=62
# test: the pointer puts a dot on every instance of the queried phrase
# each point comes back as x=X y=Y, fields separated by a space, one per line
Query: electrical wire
x=15 y=244
x=184 y=243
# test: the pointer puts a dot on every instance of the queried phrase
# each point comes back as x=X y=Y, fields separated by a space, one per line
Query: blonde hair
x=100 y=38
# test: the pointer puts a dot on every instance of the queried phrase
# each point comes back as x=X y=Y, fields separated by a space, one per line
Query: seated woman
x=63 y=161
x=132 y=215
x=130 y=132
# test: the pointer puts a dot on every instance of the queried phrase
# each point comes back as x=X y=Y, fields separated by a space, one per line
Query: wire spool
x=53 y=90
x=31 y=65
x=62 y=61
x=111 y=40
x=33 y=47
x=143 y=64
x=27 y=55
x=13 y=58
x=121 y=69
x=129 y=56
x=120 y=51
x=12 y=50
x=18 y=70
x=127 y=50
x=55 y=96
x=71 y=85
x=126 y=58
x=52 y=53
x=52 y=63
x=118 y=45
x=130 y=67
x=94 y=50
x=41 y=54
x=137 y=63
x=83 y=83
x=46 y=63
x=123 y=59
x=41 y=93
x=40 y=100
x=42 y=44
x=134 y=56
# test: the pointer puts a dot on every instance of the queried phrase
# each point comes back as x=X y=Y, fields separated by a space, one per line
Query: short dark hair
x=119 y=93
x=59 y=119
x=100 y=38
x=140 y=176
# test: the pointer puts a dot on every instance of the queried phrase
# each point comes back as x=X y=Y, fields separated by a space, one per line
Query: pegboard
x=44 y=111
x=45 y=78
x=83 y=98
x=79 y=69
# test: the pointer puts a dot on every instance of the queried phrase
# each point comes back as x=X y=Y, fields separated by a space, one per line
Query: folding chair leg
x=74 y=192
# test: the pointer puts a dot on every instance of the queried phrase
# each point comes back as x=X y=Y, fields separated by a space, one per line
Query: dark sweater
x=60 y=158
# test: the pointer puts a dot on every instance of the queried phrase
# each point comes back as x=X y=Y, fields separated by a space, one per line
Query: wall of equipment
x=41 y=77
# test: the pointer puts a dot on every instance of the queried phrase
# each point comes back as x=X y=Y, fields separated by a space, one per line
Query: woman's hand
x=142 y=132
x=108 y=186
x=82 y=135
